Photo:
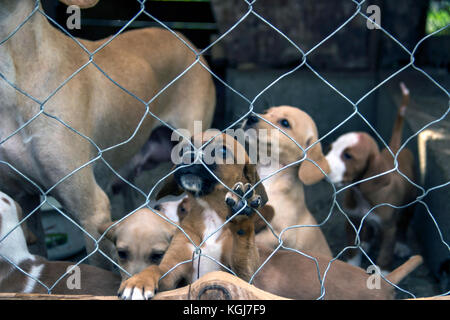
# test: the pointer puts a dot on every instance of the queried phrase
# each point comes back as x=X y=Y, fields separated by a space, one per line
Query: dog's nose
x=251 y=120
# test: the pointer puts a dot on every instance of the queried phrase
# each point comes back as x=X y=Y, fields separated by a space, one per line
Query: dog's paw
x=237 y=204
x=138 y=287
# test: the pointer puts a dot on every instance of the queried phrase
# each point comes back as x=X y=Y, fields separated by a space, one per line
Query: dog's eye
x=156 y=257
x=284 y=123
x=123 y=254
x=346 y=156
x=157 y=207
x=220 y=151
x=223 y=152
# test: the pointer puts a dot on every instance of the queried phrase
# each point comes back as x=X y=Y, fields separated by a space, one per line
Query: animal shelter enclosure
x=345 y=63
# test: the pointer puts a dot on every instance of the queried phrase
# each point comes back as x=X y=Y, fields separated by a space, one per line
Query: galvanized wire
x=303 y=63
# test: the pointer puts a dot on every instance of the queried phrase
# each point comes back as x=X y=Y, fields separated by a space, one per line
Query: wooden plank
x=212 y=286
x=218 y=286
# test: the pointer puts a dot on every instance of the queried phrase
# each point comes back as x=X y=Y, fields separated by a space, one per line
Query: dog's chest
x=273 y=183
x=361 y=207
x=286 y=196
x=211 y=247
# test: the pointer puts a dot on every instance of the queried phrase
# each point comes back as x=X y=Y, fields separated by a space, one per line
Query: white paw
x=136 y=294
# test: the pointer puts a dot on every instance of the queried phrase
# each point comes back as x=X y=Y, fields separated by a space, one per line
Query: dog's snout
x=251 y=120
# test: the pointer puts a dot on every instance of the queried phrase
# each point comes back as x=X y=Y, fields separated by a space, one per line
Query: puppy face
x=301 y=128
x=224 y=159
x=350 y=156
x=140 y=240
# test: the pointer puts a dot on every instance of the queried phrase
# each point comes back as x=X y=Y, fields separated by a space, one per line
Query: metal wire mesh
x=6 y=81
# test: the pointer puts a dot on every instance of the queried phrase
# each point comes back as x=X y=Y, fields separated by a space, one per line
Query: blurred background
x=267 y=69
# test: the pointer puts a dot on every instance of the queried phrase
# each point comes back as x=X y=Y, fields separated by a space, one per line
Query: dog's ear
x=30 y=237
x=81 y=3
x=169 y=187
x=111 y=234
x=252 y=176
x=375 y=166
x=309 y=173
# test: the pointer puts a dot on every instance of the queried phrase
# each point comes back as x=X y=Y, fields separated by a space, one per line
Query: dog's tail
x=402 y=271
x=396 y=138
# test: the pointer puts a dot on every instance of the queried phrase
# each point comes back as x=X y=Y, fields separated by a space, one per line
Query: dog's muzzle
x=250 y=121
x=196 y=179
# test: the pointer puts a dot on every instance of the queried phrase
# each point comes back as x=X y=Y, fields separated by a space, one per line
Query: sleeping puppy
x=207 y=243
x=286 y=188
x=355 y=156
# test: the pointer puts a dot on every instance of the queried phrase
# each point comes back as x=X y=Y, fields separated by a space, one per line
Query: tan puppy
x=354 y=157
x=286 y=273
x=142 y=238
x=285 y=189
x=104 y=101
x=13 y=248
x=211 y=203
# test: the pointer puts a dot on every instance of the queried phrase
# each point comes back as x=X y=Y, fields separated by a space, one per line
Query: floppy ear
x=309 y=173
x=170 y=187
x=81 y=3
x=30 y=237
x=252 y=176
x=111 y=235
x=375 y=166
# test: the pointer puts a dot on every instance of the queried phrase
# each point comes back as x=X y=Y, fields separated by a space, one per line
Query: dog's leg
x=353 y=256
x=34 y=223
x=402 y=249
x=387 y=246
x=245 y=256
x=144 y=285
x=87 y=202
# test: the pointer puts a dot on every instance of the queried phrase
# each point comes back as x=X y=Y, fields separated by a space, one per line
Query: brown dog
x=295 y=276
x=286 y=273
x=354 y=157
x=37 y=59
x=143 y=238
x=13 y=249
x=285 y=189
x=211 y=203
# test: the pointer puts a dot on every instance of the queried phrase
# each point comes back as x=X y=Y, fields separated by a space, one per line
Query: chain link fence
x=9 y=81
